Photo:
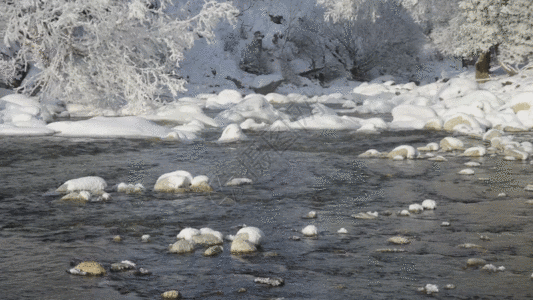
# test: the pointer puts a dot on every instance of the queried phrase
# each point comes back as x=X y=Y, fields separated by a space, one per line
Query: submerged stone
x=90 y=268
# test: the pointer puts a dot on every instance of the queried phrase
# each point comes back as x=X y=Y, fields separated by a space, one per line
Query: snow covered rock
x=174 y=182
x=239 y=181
x=466 y=172
x=399 y=240
x=404 y=151
x=130 y=188
x=83 y=196
x=254 y=234
x=224 y=99
x=310 y=230
x=450 y=144
x=111 y=127
x=475 y=151
x=429 y=204
x=411 y=116
x=241 y=244
x=416 y=208
x=180 y=113
x=93 y=184
x=370 y=153
x=456 y=87
x=429 y=147
x=232 y=133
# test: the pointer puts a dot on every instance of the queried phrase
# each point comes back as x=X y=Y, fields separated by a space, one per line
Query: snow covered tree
x=111 y=53
x=379 y=35
x=505 y=26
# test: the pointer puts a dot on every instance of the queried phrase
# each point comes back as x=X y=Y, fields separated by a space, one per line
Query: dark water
x=293 y=173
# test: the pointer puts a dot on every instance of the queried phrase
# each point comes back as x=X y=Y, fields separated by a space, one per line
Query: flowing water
x=293 y=172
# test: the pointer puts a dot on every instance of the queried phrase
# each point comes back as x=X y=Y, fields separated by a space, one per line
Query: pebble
x=398 y=240
x=431 y=288
x=270 y=281
x=171 y=295
x=212 y=251
x=117 y=239
x=387 y=213
x=472 y=262
x=342 y=231
x=310 y=230
x=509 y=158
x=529 y=202
x=445 y=224
x=472 y=164
x=241 y=290
x=529 y=187
x=438 y=158
x=484 y=238
x=295 y=238
x=239 y=181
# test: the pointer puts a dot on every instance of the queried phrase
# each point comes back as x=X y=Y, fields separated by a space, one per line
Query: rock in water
x=310 y=230
x=93 y=184
x=88 y=268
x=206 y=239
x=398 y=240
x=171 y=295
x=241 y=244
x=270 y=281
x=174 y=182
x=429 y=204
x=122 y=266
x=181 y=246
x=416 y=208
x=473 y=262
x=255 y=235
x=82 y=196
x=212 y=251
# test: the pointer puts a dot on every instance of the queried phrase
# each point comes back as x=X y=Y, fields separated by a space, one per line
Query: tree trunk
x=483 y=66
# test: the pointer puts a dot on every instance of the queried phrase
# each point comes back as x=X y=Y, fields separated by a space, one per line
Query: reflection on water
x=293 y=174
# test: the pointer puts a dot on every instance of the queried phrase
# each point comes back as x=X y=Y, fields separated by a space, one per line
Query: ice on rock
x=177 y=181
x=366 y=216
x=493 y=268
x=475 y=151
x=411 y=116
x=450 y=144
x=239 y=181
x=92 y=184
x=472 y=164
x=145 y=238
x=232 y=133
x=310 y=230
x=416 y=208
x=429 y=204
x=254 y=234
x=342 y=231
x=404 y=151
x=111 y=127
x=311 y=215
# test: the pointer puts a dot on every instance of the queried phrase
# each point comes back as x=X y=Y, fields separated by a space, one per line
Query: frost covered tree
x=374 y=34
x=111 y=53
x=505 y=26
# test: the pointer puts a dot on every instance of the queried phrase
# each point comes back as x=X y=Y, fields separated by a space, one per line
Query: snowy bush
x=484 y=24
x=105 y=52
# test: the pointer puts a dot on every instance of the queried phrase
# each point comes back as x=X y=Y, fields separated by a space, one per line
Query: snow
x=180 y=113
x=188 y=233
x=411 y=116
